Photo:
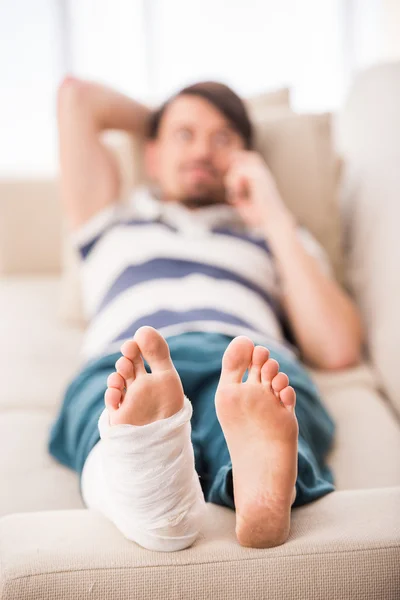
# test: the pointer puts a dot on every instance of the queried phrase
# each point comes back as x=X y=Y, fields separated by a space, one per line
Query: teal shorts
x=197 y=357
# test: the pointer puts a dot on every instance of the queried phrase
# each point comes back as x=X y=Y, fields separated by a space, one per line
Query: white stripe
x=95 y=225
x=124 y=246
x=192 y=292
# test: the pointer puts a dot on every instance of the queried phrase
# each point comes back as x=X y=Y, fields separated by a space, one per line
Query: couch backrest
x=30 y=226
x=368 y=137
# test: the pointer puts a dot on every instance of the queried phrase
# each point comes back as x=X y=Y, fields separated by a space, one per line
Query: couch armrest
x=344 y=545
x=30 y=226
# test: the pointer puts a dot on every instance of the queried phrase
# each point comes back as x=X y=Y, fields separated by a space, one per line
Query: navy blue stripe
x=164 y=318
x=256 y=241
x=167 y=268
x=84 y=250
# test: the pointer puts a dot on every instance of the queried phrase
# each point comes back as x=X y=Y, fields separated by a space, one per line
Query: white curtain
x=150 y=48
x=252 y=45
x=109 y=43
x=367 y=23
x=30 y=66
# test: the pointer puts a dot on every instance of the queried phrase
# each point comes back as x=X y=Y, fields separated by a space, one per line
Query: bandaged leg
x=143 y=479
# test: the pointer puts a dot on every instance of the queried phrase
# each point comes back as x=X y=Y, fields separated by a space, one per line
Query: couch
x=345 y=545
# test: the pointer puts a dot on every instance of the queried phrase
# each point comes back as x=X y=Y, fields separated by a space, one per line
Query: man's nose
x=201 y=147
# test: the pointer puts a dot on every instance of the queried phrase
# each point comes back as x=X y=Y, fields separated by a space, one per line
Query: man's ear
x=151 y=158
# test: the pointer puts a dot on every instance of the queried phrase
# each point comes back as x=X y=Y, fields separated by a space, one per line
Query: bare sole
x=135 y=396
x=261 y=430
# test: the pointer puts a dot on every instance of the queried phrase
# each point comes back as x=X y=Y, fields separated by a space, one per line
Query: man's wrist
x=281 y=227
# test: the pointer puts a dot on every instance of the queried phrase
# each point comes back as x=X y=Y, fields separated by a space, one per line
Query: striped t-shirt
x=149 y=262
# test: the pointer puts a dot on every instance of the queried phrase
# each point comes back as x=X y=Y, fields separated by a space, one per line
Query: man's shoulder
x=142 y=203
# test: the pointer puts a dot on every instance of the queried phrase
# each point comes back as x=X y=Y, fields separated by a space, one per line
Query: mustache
x=200 y=164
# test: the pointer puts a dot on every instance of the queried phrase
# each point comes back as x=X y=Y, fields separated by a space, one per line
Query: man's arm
x=325 y=322
x=89 y=172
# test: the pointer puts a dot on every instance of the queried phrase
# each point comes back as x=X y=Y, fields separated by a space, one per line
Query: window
x=150 y=48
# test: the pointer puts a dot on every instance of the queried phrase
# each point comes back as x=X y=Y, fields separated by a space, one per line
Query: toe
x=269 y=370
x=288 y=397
x=236 y=359
x=115 y=380
x=260 y=356
x=124 y=367
x=279 y=382
x=112 y=398
x=130 y=349
x=154 y=348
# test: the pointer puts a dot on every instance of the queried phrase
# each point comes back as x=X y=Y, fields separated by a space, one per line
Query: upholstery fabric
x=345 y=546
x=368 y=129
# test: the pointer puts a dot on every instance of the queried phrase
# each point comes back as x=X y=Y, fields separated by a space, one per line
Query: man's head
x=191 y=140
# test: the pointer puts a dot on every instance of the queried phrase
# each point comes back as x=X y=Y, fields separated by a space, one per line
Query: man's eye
x=183 y=134
x=222 y=139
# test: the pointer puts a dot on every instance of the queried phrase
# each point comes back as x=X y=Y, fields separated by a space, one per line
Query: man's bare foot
x=261 y=430
x=136 y=397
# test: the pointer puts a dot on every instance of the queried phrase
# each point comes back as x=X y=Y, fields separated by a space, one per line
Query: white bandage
x=153 y=492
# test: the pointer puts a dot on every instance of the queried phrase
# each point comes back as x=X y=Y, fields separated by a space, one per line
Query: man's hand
x=252 y=190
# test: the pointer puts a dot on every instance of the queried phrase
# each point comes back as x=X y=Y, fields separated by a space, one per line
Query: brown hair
x=219 y=95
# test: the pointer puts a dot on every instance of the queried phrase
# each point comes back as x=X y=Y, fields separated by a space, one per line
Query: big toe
x=154 y=348
x=236 y=359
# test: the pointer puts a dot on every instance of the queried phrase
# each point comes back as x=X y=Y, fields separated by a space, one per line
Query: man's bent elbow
x=71 y=93
x=345 y=358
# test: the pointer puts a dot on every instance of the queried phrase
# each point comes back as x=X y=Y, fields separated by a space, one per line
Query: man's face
x=192 y=152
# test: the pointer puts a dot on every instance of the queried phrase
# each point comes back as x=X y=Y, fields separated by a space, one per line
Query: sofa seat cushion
x=35 y=348
x=344 y=545
x=31 y=479
x=367 y=441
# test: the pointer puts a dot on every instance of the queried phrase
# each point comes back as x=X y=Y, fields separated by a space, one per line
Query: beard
x=197 y=194
x=202 y=193
x=203 y=196
x=201 y=200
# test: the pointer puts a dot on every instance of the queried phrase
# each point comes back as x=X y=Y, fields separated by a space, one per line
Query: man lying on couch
x=184 y=396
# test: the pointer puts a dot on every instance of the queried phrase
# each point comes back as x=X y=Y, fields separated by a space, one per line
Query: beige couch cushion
x=299 y=151
x=31 y=479
x=343 y=546
x=367 y=439
x=261 y=105
x=369 y=138
x=30 y=226
x=34 y=345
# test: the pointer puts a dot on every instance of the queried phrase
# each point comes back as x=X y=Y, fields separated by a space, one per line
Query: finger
x=231 y=184
x=238 y=189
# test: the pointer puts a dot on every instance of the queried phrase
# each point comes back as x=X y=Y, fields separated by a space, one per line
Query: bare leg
x=260 y=426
